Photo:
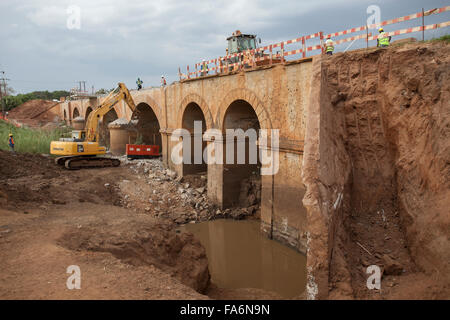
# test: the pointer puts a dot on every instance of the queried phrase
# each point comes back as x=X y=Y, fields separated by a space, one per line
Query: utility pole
x=4 y=92
x=82 y=87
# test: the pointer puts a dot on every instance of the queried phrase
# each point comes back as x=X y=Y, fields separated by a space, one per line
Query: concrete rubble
x=169 y=196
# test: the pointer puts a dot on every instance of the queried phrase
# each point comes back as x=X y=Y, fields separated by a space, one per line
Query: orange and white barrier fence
x=5 y=118
x=225 y=64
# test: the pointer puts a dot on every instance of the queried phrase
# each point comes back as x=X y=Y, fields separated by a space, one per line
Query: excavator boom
x=82 y=152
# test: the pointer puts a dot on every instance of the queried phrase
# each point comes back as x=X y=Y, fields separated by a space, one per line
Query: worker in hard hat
x=329 y=46
x=139 y=83
x=383 y=39
x=11 y=142
x=203 y=68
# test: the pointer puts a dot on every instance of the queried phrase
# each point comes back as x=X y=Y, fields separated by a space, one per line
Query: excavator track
x=74 y=163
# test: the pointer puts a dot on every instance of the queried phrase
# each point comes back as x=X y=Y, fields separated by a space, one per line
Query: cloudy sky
x=120 y=40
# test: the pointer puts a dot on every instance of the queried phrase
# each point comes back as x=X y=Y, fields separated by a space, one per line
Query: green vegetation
x=13 y=101
x=30 y=140
x=445 y=38
x=103 y=91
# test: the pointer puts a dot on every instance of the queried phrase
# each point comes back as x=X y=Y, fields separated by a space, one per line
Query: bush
x=445 y=38
x=30 y=140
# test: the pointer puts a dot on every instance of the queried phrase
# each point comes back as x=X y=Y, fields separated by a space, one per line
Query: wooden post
x=367 y=37
x=423 y=25
x=282 y=52
x=215 y=63
x=188 y=75
x=303 y=46
x=321 y=40
x=179 y=72
x=271 y=54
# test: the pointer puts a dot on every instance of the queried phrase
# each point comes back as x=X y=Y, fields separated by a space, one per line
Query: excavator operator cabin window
x=247 y=43
x=232 y=46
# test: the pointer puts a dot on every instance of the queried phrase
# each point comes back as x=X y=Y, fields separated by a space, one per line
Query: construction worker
x=247 y=60
x=11 y=142
x=163 y=81
x=329 y=46
x=139 y=83
x=383 y=40
x=203 y=68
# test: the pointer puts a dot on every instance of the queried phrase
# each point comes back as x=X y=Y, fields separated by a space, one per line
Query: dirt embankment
x=55 y=218
x=36 y=113
x=118 y=224
x=388 y=184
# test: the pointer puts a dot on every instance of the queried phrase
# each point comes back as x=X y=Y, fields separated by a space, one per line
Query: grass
x=445 y=38
x=29 y=140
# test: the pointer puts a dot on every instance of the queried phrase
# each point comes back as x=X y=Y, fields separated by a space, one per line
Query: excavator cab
x=239 y=42
x=78 y=135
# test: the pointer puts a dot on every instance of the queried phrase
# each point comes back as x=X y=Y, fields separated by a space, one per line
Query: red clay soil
x=396 y=131
x=104 y=221
x=31 y=109
x=51 y=218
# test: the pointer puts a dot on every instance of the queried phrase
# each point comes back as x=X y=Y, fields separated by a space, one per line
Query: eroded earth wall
x=377 y=169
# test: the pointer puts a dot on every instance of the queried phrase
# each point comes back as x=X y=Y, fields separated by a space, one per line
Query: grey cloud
x=119 y=40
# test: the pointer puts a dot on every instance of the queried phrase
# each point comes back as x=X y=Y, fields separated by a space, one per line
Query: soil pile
x=30 y=180
x=33 y=109
x=178 y=254
x=25 y=164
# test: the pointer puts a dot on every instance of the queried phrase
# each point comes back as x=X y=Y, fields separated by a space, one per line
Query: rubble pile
x=164 y=194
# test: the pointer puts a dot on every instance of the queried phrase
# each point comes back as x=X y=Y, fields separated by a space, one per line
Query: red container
x=136 y=151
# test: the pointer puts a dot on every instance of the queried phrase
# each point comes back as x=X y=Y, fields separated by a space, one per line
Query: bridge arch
x=147 y=124
x=201 y=103
x=75 y=113
x=88 y=111
x=104 y=135
x=241 y=109
x=251 y=98
x=150 y=102
x=192 y=115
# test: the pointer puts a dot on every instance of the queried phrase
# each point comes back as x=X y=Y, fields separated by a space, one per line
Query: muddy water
x=241 y=257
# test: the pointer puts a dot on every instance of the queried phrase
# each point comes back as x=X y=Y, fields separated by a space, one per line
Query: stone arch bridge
x=270 y=97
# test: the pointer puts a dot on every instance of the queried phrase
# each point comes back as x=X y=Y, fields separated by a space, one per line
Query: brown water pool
x=240 y=256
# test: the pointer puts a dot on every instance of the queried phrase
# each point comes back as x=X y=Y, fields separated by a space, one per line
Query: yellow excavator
x=82 y=150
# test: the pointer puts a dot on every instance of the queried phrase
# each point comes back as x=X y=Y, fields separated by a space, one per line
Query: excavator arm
x=121 y=92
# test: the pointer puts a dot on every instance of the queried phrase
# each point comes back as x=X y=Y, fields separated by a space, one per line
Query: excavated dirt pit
x=117 y=224
x=179 y=255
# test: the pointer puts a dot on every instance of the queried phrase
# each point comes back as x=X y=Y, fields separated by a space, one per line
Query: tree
x=14 y=101
x=101 y=91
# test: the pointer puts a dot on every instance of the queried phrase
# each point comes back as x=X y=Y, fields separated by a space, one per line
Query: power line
x=39 y=81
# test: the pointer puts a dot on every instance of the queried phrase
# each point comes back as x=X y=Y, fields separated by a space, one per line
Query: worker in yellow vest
x=383 y=39
x=329 y=46
x=203 y=68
